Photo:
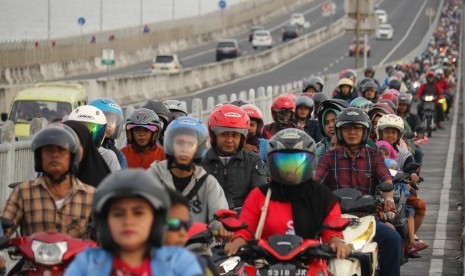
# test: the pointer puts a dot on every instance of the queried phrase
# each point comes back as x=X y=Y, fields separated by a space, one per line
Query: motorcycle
x=43 y=253
x=284 y=255
x=359 y=234
x=429 y=111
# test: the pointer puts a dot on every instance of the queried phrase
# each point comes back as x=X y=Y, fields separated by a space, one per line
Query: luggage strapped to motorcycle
x=261 y=222
x=196 y=187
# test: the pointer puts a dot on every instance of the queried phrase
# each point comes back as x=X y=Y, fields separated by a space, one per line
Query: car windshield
x=296 y=16
x=164 y=59
x=290 y=28
x=384 y=27
x=226 y=44
x=361 y=41
x=255 y=28
x=27 y=110
x=261 y=34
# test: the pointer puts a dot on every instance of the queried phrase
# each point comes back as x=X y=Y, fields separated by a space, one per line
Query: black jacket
x=244 y=171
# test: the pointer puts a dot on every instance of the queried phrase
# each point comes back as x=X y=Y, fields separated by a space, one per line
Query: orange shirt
x=143 y=159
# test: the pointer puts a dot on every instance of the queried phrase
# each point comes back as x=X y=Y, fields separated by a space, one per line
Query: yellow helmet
x=345 y=81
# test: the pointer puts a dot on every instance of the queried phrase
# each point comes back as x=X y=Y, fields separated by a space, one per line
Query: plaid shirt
x=32 y=207
x=337 y=170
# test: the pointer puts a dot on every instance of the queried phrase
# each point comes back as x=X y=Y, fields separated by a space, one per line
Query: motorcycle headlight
x=441 y=100
x=416 y=84
x=429 y=98
x=48 y=253
x=361 y=240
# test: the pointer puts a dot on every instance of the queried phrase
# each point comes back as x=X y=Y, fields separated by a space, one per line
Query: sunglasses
x=152 y=128
x=175 y=224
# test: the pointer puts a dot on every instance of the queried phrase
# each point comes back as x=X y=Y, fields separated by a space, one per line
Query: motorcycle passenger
x=299 y=206
x=94 y=120
x=130 y=210
x=92 y=167
x=444 y=84
x=257 y=137
x=375 y=113
x=163 y=114
x=185 y=144
x=357 y=166
x=413 y=121
x=115 y=123
x=369 y=72
x=370 y=91
x=283 y=112
x=176 y=108
x=318 y=98
x=431 y=87
x=345 y=90
x=327 y=114
x=56 y=201
x=237 y=170
x=303 y=111
x=143 y=129
x=314 y=85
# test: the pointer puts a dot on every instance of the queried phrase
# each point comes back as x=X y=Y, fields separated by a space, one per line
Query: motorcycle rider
x=369 y=72
x=413 y=121
x=130 y=210
x=56 y=201
x=314 y=85
x=94 y=120
x=370 y=91
x=346 y=90
x=431 y=87
x=303 y=111
x=163 y=114
x=283 y=112
x=143 y=128
x=237 y=170
x=299 y=205
x=257 y=137
x=357 y=166
x=185 y=144
x=115 y=123
x=176 y=108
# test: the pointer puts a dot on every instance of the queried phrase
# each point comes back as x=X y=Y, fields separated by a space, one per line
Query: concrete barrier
x=62 y=61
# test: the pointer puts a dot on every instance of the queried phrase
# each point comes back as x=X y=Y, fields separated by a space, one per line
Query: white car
x=166 y=64
x=262 y=38
x=384 y=31
x=382 y=16
x=297 y=19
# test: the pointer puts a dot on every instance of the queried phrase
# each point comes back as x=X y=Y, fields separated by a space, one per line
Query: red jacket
x=422 y=87
x=278 y=218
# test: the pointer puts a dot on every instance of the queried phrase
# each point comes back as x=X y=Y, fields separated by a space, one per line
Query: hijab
x=311 y=203
x=92 y=168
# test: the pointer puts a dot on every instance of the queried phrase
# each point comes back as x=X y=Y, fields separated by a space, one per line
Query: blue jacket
x=262 y=148
x=169 y=261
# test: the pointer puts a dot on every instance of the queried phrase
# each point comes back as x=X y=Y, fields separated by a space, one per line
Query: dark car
x=252 y=30
x=228 y=48
x=290 y=32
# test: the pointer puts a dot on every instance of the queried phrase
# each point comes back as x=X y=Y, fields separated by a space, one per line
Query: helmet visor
x=97 y=131
x=152 y=128
x=291 y=167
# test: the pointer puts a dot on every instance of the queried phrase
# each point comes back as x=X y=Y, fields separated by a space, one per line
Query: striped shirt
x=337 y=170
x=32 y=207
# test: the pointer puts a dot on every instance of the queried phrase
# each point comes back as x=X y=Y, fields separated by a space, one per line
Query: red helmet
x=282 y=103
x=430 y=73
x=380 y=108
x=289 y=95
x=389 y=97
x=255 y=113
x=348 y=73
x=228 y=117
x=392 y=91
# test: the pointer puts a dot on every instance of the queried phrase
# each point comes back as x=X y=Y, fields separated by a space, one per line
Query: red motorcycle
x=43 y=253
x=283 y=255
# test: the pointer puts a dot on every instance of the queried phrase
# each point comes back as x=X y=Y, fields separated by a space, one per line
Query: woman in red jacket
x=298 y=205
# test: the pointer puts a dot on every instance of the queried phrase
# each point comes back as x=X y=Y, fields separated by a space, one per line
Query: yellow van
x=49 y=100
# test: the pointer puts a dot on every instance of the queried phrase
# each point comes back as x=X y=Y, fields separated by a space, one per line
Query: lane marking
x=420 y=12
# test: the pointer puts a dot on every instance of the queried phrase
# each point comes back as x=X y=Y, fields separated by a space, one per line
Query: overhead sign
x=108 y=57
x=367 y=26
x=363 y=7
x=222 y=4
x=81 y=21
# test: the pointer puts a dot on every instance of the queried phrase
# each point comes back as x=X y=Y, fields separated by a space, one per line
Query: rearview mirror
x=224 y=213
x=386 y=187
x=232 y=224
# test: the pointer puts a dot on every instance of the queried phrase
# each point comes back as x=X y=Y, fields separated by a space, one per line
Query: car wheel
x=255 y=47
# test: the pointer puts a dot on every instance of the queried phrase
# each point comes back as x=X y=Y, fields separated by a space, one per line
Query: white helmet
x=94 y=119
x=390 y=121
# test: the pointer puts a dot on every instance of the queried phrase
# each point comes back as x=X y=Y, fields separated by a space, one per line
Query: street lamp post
x=200 y=7
x=48 y=20
x=101 y=15
x=141 y=15
x=173 y=9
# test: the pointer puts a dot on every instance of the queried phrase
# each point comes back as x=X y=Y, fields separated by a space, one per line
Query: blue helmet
x=112 y=112
x=189 y=126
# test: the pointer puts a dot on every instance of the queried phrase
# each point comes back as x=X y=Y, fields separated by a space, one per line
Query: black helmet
x=362 y=82
x=319 y=97
x=290 y=155
x=369 y=69
x=315 y=82
x=130 y=183
x=394 y=83
x=405 y=99
x=59 y=135
x=160 y=109
x=304 y=101
x=177 y=108
x=370 y=85
x=336 y=105
x=353 y=116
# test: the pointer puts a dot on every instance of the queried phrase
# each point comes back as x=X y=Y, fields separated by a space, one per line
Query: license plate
x=282 y=272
